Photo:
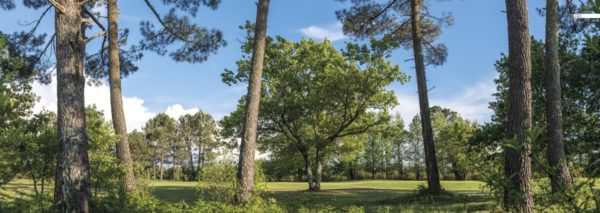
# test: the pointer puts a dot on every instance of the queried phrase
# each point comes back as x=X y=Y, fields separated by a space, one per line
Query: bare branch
x=91 y=15
x=57 y=6
x=103 y=33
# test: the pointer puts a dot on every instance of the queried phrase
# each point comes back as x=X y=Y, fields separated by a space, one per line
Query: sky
x=464 y=83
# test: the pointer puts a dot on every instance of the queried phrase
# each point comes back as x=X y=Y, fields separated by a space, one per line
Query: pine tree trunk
x=72 y=185
x=248 y=147
x=433 y=175
x=116 y=99
x=560 y=175
x=517 y=168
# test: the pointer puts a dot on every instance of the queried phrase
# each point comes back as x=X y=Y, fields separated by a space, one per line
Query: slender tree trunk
x=116 y=99
x=560 y=175
x=193 y=170
x=72 y=185
x=161 y=169
x=517 y=168
x=200 y=157
x=433 y=175
x=248 y=147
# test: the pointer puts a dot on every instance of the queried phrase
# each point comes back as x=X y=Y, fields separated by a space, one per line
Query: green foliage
x=314 y=94
x=218 y=182
x=106 y=170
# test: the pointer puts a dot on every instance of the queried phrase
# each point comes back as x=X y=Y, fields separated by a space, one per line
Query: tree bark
x=318 y=171
x=560 y=176
x=309 y=174
x=116 y=99
x=248 y=146
x=517 y=168
x=433 y=176
x=72 y=185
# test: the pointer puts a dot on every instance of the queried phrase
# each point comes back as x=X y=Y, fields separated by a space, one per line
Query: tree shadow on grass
x=175 y=194
x=378 y=200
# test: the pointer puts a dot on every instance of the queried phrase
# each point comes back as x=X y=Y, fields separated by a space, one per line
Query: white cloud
x=136 y=114
x=331 y=32
x=177 y=110
x=471 y=103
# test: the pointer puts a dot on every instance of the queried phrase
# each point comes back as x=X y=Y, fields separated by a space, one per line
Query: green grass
x=371 y=195
x=349 y=196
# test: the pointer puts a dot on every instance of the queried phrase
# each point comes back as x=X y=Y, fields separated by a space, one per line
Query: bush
x=218 y=182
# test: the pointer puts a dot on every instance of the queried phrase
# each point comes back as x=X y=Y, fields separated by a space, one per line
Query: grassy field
x=350 y=196
x=371 y=196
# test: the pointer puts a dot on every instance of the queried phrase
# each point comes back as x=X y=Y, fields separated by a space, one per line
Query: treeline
x=391 y=151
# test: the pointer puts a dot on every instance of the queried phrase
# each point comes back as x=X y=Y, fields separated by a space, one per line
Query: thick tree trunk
x=248 y=147
x=72 y=185
x=318 y=171
x=351 y=172
x=116 y=99
x=517 y=168
x=309 y=174
x=433 y=175
x=459 y=173
x=560 y=175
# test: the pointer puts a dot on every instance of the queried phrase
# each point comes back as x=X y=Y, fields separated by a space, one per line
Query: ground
x=369 y=196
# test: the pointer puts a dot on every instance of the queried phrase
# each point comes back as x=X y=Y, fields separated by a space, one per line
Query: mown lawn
x=370 y=196
x=349 y=196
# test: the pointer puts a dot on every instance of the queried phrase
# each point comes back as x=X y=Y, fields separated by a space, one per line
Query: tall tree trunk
x=560 y=175
x=433 y=175
x=248 y=147
x=116 y=99
x=517 y=168
x=72 y=185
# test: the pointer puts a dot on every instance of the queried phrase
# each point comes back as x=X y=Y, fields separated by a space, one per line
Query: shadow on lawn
x=380 y=200
x=175 y=193
x=355 y=200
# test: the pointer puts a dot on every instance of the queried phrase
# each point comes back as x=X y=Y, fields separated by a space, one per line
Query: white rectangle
x=587 y=15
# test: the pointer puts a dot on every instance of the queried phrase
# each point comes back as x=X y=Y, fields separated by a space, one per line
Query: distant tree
x=453 y=134
x=160 y=133
x=409 y=24
x=517 y=168
x=415 y=154
x=198 y=132
x=142 y=153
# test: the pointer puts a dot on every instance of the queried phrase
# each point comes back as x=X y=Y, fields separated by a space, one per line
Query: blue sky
x=464 y=83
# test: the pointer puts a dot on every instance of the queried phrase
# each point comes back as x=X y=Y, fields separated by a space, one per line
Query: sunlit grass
x=367 y=195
